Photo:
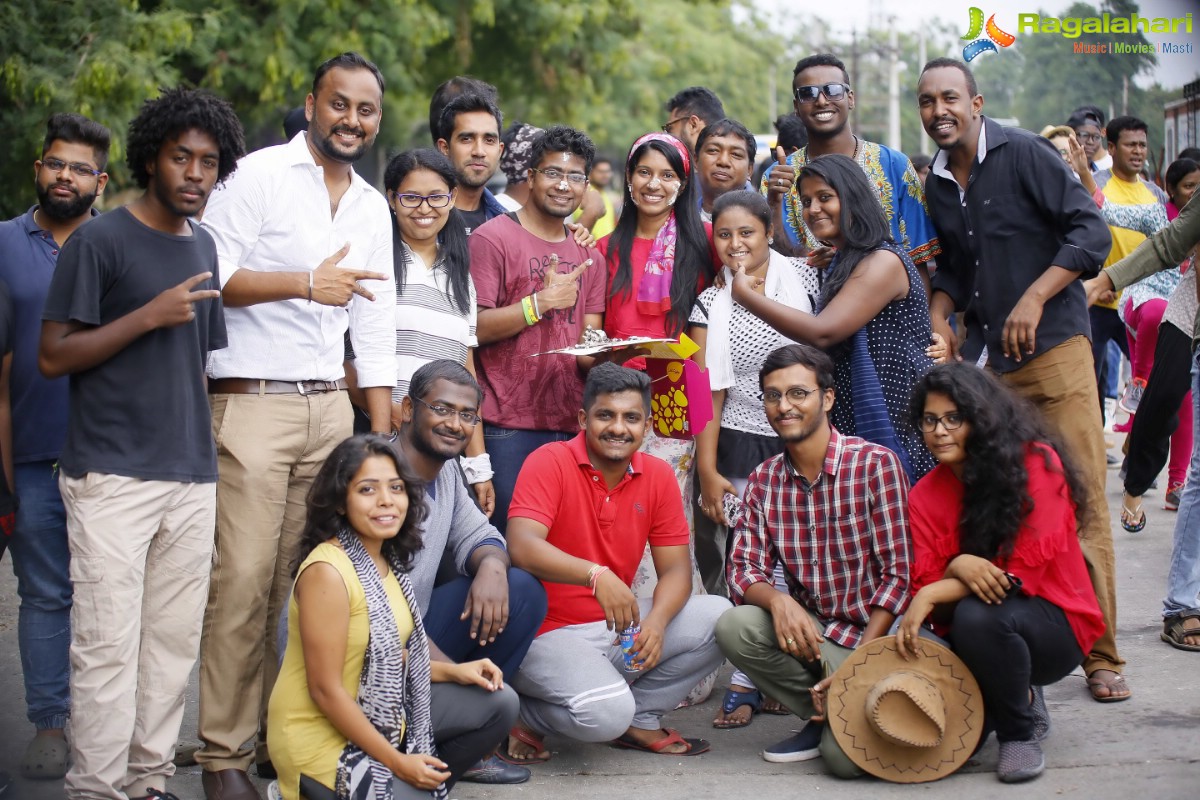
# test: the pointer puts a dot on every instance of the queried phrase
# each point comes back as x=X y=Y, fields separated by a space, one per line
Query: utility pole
x=893 y=137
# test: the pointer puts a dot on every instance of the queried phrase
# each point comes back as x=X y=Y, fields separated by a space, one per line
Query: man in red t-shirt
x=581 y=516
x=536 y=290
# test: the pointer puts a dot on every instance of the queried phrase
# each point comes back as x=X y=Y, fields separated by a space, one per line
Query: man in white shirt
x=278 y=392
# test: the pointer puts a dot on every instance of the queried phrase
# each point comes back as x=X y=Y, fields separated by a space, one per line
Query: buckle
x=302 y=389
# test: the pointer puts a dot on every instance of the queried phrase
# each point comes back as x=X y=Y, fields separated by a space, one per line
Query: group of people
x=507 y=548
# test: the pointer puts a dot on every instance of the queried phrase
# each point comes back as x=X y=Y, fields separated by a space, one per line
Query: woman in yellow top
x=364 y=705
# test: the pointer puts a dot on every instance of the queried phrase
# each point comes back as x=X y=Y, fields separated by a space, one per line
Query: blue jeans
x=526 y=611
x=1183 y=577
x=509 y=448
x=41 y=561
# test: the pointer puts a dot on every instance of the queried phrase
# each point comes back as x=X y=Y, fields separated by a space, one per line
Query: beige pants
x=141 y=552
x=1062 y=383
x=269 y=449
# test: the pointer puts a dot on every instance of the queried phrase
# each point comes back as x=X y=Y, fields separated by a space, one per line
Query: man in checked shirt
x=832 y=510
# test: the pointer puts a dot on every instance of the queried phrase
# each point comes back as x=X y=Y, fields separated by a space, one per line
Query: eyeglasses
x=795 y=396
x=951 y=422
x=415 y=200
x=672 y=123
x=832 y=91
x=555 y=174
x=442 y=412
x=1088 y=137
x=82 y=170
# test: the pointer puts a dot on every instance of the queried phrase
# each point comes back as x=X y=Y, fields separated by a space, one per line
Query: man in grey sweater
x=474 y=603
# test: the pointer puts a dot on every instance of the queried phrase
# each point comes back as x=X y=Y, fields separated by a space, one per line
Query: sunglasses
x=832 y=91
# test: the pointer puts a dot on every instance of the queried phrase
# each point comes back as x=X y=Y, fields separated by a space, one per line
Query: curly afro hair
x=178 y=110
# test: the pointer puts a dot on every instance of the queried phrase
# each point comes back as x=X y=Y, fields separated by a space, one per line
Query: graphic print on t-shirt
x=538 y=268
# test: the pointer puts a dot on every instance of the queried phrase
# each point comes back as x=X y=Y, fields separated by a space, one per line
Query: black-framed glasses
x=810 y=93
x=1087 y=137
x=556 y=174
x=415 y=200
x=951 y=422
x=77 y=167
x=671 y=124
x=795 y=396
x=444 y=412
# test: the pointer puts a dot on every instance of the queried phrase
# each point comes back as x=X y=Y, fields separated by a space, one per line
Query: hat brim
x=886 y=759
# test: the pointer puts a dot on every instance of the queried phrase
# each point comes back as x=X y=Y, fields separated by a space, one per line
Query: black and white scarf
x=393 y=691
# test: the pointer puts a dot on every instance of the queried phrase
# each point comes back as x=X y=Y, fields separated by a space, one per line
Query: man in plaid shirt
x=832 y=511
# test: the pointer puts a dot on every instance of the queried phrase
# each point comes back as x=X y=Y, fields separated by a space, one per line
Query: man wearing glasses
x=33 y=422
x=691 y=111
x=305 y=245
x=488 y=609
x=823 y=101
x=536 y=291
x=832 y=511
x=1088 y=124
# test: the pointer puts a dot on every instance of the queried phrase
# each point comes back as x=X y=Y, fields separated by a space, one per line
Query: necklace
x=791 y=205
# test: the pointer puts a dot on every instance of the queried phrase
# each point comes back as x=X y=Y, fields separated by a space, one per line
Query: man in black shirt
x=131 y=316
x=1017 y=232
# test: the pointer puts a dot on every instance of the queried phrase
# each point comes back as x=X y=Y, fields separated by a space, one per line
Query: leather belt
x=255 y=386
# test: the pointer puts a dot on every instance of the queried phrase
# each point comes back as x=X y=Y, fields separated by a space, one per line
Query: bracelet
x=310 y=286
x=527 y=308
x=594 y=575
x=478 y=469
x=536 y=310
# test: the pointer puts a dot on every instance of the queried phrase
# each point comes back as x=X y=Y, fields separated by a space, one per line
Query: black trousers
x=1158 y=412
x=1106 y=326
x=1024 y=641
x=468 y=721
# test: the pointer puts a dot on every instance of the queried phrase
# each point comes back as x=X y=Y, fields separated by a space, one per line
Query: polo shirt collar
x=578 y=448
x=30 y=224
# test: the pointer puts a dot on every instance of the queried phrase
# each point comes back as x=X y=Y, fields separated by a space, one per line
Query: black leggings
x=1158 y=412
x=1024 y=641
x=468 y=723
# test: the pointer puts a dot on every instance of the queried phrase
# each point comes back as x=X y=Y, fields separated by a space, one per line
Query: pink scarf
x=654 y=292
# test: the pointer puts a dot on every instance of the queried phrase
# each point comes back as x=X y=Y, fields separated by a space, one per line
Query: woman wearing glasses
x=995 y=554
x=872 y=317
x=435 y=298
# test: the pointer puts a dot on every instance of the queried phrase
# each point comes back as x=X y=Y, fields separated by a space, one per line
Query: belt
x=255 y=386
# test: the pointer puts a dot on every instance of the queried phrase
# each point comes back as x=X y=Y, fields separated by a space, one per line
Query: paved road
x=1146 y=747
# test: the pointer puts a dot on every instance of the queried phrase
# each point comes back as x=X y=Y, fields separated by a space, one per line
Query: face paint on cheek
x=674 y=194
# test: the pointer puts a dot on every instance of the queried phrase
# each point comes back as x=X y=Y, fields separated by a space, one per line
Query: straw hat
x=905 y=721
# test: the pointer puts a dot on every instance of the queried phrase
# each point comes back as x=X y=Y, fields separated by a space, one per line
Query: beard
x=64 y=209
x=329 y=150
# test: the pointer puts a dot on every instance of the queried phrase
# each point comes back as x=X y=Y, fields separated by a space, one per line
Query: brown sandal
x=1175 y=629
x=1116 y=687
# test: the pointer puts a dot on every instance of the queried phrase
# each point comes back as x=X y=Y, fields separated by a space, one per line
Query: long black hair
x=996 y=497
x=863 y=224
x=691 y=247
x=327 y=498
x=452 y=240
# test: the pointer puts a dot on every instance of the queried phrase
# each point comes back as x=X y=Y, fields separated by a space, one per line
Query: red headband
x=656 y=136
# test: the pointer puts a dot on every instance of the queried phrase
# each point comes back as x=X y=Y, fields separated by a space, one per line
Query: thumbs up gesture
x=779 y=179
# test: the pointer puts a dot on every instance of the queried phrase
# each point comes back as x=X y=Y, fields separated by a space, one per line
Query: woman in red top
x=996 y=560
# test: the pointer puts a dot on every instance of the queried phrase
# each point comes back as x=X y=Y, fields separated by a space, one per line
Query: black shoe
x=493 y=770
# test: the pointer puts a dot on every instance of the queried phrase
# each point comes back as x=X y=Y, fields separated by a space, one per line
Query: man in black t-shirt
x=131 y=315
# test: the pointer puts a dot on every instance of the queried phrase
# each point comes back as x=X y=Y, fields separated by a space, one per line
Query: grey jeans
x=573 y=682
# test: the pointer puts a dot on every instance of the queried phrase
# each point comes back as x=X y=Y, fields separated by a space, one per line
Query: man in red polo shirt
x=581 y=515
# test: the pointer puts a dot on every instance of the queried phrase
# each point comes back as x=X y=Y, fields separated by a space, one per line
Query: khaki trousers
x=269 y=449
x=1061 y=382
x=141 y=552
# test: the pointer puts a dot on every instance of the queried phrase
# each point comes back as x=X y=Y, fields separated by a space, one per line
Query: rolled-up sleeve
x=373 y=322
x=893 y=544
x=750 y=559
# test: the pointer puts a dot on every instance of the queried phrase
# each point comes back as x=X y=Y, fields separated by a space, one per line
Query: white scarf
x=783 y=286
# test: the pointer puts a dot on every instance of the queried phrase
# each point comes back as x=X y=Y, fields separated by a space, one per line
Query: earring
x=770 y=240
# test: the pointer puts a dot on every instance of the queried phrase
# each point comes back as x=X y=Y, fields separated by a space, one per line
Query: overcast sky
x=843 y=15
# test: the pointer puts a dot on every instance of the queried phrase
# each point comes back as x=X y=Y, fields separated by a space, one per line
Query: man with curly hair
x=131 y=315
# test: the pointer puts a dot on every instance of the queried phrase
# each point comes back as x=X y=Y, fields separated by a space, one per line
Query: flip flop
x=1128 y=515
x=1117 y=682
x=733 y=701
x=695 y=746
x=524 y=737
